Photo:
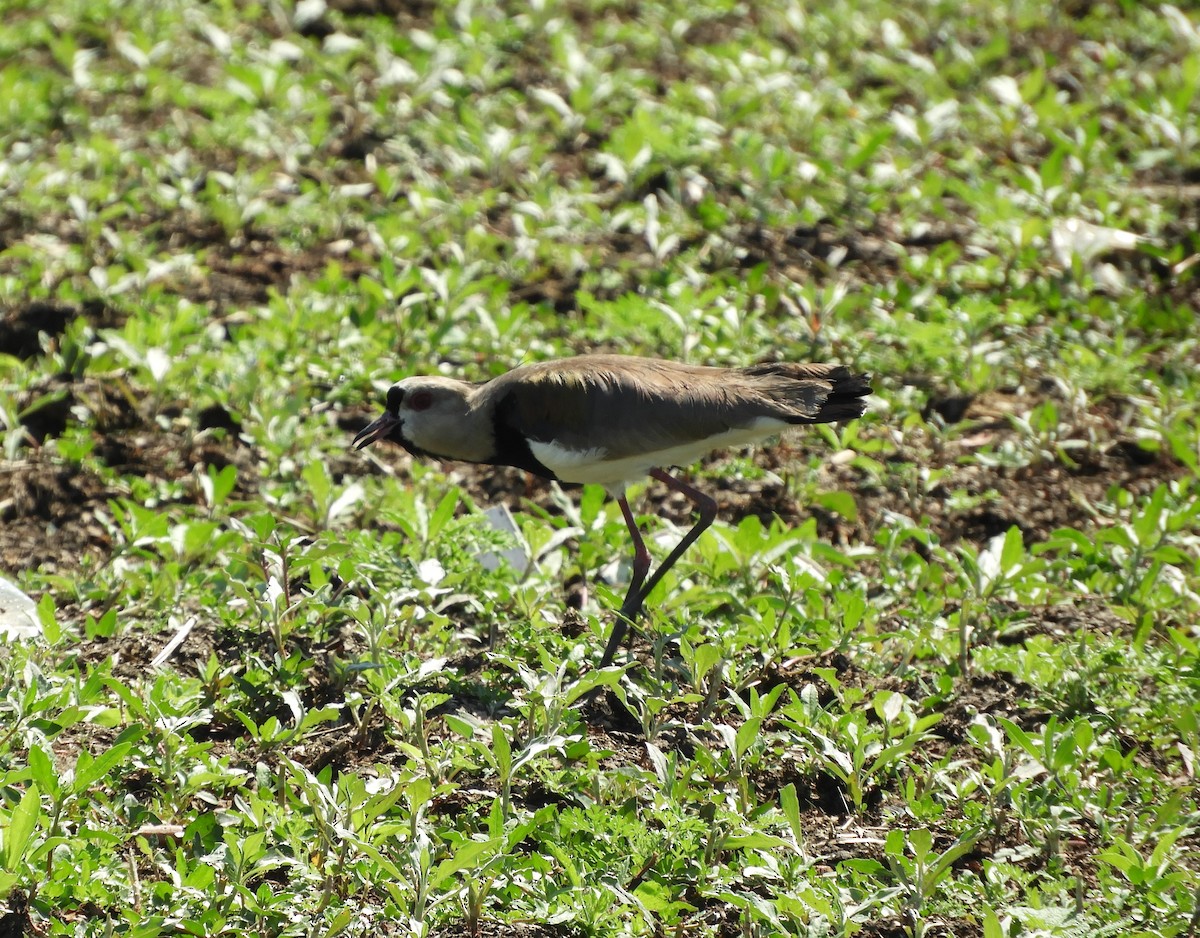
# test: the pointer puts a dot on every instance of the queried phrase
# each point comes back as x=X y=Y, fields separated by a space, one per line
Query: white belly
x=594 y=466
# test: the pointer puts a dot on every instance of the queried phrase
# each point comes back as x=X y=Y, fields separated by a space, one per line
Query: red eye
x=421 y=400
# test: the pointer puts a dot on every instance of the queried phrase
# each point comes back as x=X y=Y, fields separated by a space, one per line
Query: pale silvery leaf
x=1005 y=90
x=892 y=35
x=18 y=614
x=989 y=560
x=158 y=362
x=1181 y=26
x=130 y=51
x=218 y=38
x=283 y=51
x=308 y=12
x=1074 y=236
x=431 y=571
x=552 y=100
x=337 y=43
x=396 y=71
x=292 y=699
x=348 y=499
x=81 y=67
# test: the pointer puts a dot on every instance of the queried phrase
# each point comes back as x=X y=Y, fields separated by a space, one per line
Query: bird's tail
x=816 y=393
x=847 y=400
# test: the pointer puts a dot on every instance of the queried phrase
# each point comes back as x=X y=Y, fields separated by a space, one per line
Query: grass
x=934 y=672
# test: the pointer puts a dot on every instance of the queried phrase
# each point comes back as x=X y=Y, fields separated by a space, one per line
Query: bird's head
x=431 y=416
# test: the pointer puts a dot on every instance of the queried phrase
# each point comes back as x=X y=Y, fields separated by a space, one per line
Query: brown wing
x=628 y=406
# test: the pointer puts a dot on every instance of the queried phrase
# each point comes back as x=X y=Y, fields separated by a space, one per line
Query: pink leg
x=641 y=556
x=637 y=594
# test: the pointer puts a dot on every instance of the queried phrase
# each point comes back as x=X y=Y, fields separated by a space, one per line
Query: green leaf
x=1021 y=738
x=746 y=735
x=379 y=804
x=790 y=805
x=21 y=826
x=1013 y=552
x=419 y=792
x=704 y=658
x=104 y=627
x=951 y=855
x=853 y=606
x=316 y=474
x=921 y=841
x=339 y=923
x=1147 y=526
x=48 y=620
x=502 y=750
x=840 y=503
x=857 y=158
x=569 y=867
x=756 y=841
x=465 y=858
x=864 y=866
x=605 y=677
x=443 y=513
x=888 y=705
x=463 y=728
x=42 y=770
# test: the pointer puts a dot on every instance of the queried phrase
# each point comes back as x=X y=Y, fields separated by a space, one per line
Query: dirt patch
x=131 y=650
x=106 y=406
x=981 y=694
x=489 y=929
x=1040 y=498
x=873 y=254
x=51 y=516
x=249 y=277
x=22 y=328
x=408 y=13
x=897 y=928
x=56 y=514
x=245 y=268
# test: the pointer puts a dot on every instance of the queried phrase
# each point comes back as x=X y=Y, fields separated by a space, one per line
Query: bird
x=612 y=420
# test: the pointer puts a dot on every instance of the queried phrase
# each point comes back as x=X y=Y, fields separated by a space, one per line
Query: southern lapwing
x=611 y=420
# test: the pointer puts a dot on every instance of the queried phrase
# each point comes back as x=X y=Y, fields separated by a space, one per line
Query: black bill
x=376 y=429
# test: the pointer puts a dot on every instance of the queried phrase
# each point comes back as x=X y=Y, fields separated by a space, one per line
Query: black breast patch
x=512 y=448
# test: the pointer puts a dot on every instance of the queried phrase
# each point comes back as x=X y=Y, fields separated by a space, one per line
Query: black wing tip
x=847 y=399
x=854 y=385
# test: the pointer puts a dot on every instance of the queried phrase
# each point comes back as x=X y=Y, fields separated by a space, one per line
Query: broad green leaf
x=502 y=750
x=467 y=857
x=746 y=735
x=790 y=804
x=21 y=825
x=1013 y=551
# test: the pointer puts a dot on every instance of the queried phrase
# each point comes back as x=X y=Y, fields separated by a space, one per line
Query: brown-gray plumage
x=611 y=420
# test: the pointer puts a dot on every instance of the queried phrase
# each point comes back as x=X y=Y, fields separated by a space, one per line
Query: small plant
x=920 y=870
x=856 y=751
